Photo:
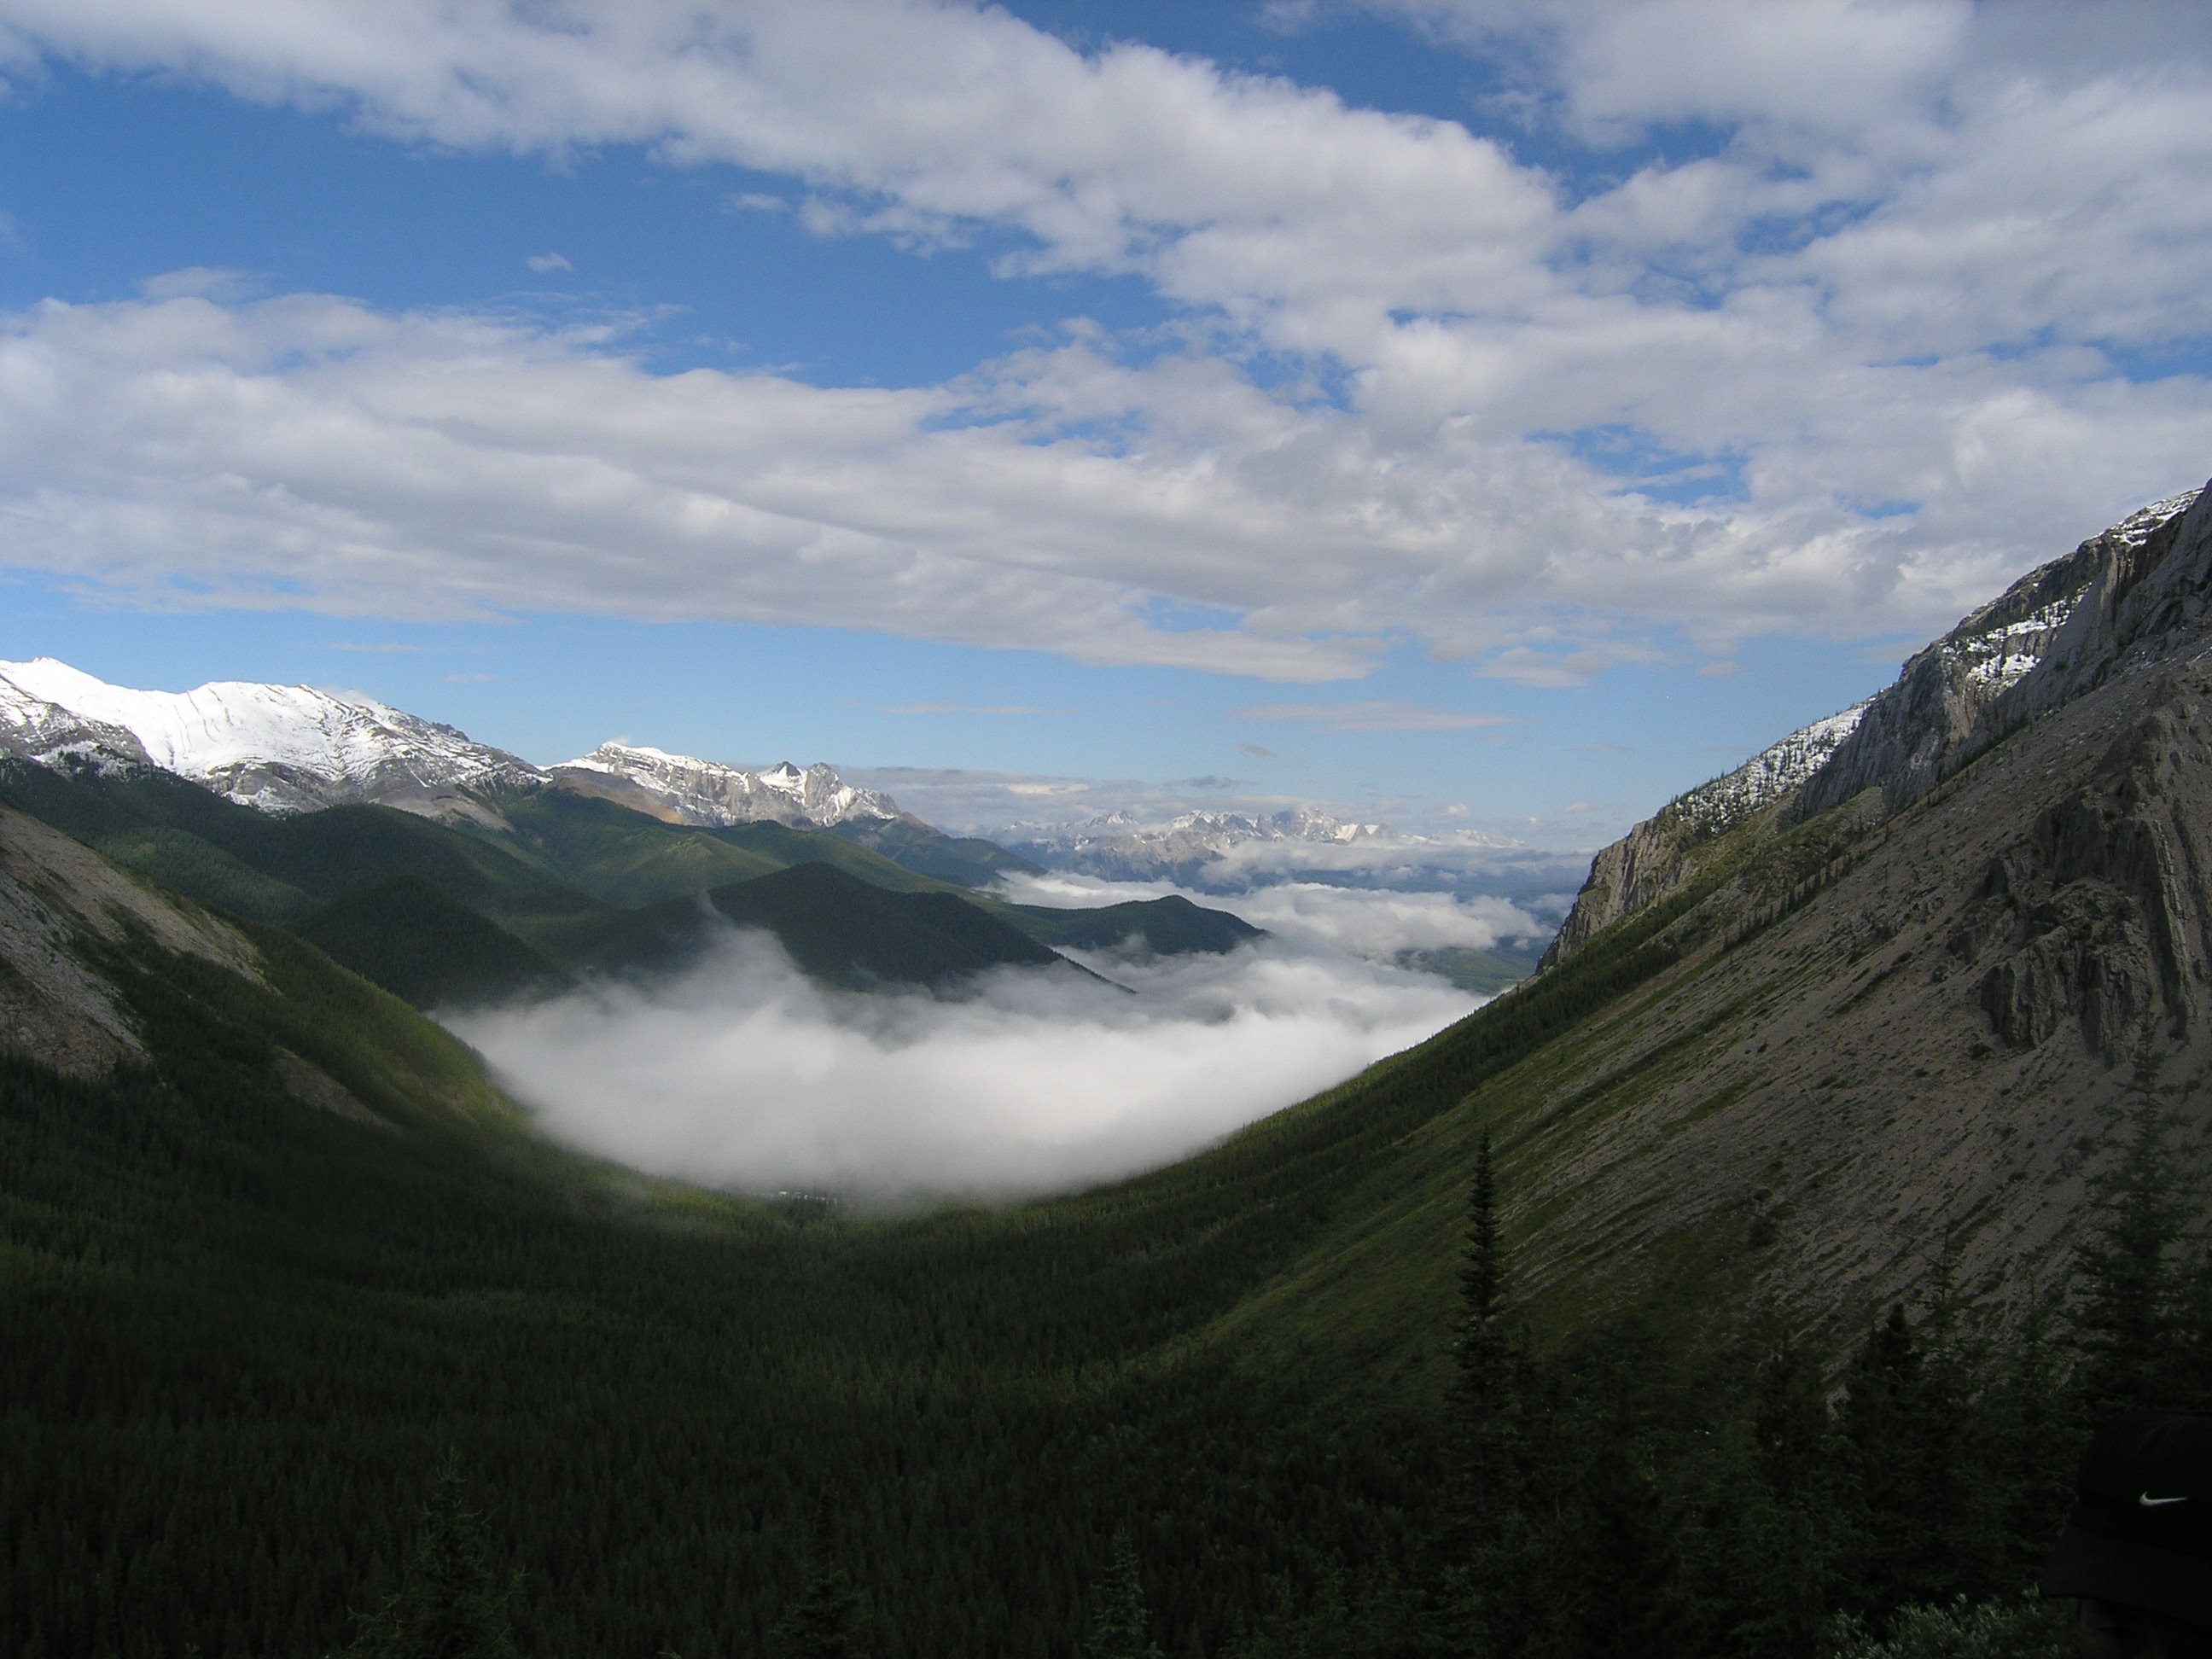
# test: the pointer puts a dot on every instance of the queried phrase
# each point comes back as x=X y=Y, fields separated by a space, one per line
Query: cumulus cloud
x=1857 y=361
x=543 y=262
x=745 y=1075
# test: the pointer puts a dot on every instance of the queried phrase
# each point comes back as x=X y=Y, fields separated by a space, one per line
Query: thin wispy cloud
x=970 y=709
x=1372 y=717
x=543 y=261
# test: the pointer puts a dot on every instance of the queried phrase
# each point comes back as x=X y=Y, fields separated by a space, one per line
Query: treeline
x=1613 y=1497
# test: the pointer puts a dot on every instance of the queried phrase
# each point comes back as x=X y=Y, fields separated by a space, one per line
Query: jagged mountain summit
x=1120 y=846
x=681 y=789
x=1770 y=775
x=1229 y=852
x=295 y=749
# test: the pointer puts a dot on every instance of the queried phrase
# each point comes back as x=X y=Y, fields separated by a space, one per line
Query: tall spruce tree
x=2131 y=1298
x=1487 y=1359
x=450 y=1604
x=829 y=1617
x=1120 y=1627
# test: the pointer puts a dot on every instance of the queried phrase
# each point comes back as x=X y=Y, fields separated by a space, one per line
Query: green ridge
x=404 y=934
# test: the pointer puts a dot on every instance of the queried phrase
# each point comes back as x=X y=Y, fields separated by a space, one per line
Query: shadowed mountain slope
x=405 y=934
x=835 y=926
x=964 y=860
x=1172 y=925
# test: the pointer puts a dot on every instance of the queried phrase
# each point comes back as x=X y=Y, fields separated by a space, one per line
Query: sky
x=1468 y=415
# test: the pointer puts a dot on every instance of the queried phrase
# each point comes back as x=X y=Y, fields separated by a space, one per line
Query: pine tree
x=2127 y=1311
x=448 y=1605
x=830 y=1618
x=1120 y=1628
x=1483 y=1391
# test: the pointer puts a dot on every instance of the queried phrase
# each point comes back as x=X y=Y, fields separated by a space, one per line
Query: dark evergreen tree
x=829 y=1620
x=449 y=1603
x=1120 y=1627
x=2126 y=1322
x=1484 y=1394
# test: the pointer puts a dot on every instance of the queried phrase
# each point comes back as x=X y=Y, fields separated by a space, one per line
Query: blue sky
x=1491 y=415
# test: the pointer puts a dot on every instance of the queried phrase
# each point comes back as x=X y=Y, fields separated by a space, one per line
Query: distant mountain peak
x=277 y=748
x=684 y=789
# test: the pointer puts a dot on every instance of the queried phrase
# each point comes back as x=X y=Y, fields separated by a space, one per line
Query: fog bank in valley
x=742 y=1073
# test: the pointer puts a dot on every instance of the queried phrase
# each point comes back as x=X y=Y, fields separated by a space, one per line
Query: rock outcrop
x=1661 y=854
x=2122 y=602
x=2121 y=597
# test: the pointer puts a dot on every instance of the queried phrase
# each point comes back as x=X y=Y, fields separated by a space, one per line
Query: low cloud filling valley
x=743 y=1074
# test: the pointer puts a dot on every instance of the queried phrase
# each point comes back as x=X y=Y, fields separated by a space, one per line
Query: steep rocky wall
x=1644 y=866
x=2057 y=631
x=1922 y=1060
x=2121 y=603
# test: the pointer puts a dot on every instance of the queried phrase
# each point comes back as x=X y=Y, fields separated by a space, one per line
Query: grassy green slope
x=1238 y=1355
x=627 y=860
x=1169 y=926
x=835 y=927
x=260 y=1324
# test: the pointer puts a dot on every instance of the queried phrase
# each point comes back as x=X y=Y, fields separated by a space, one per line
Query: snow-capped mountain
x=294 y=748
x=1236 y=852
x=278 y=748
x=687 y=790
x=1193 y=835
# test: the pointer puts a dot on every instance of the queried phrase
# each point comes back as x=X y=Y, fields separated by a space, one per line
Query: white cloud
x=1897 y=277
x=745 y=1075
x=542 y=262
x=1315 y=917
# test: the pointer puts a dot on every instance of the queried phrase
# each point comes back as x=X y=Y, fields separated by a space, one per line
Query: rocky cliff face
x=1661 y=853
x=2121 y=603
x=2056 y=632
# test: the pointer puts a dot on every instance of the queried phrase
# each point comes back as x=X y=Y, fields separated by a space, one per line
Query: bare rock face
x=1896 y=1037
x=53 y=893
x=1650 y=861
x=2129 y=596
x=2121 y=603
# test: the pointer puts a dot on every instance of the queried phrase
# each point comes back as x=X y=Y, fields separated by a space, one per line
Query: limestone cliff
x=2121 y=603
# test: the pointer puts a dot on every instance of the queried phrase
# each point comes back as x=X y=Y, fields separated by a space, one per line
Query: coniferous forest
x=285 y=1383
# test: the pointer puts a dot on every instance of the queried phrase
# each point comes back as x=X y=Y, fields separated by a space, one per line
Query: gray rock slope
x=1912 y=999
x=1898 y=1037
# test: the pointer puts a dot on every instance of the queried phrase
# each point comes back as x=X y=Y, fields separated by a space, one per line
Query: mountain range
x=294 y=748
x=1862 y=1025
x=1225 y=850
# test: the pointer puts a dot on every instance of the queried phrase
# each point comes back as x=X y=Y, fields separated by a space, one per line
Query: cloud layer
x=1906 y=319
x=746 y=1076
